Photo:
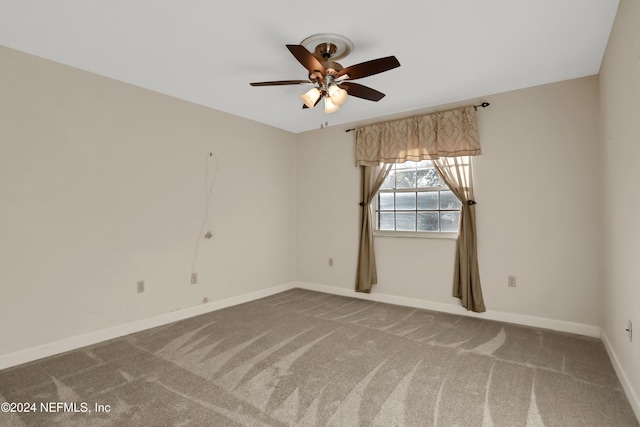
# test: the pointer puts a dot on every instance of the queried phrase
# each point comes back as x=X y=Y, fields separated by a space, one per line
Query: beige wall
x=538 y=187
x=102 y=185
x=620 y=134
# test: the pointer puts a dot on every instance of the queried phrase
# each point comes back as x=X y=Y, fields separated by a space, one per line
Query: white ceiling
x=208 y=51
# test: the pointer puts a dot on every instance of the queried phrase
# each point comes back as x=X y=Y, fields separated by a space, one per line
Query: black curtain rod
x=475 y=107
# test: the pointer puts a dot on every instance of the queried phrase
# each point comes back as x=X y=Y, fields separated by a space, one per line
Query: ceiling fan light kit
x=329 y=106
x=310 y=98
x=337 y=94
x=331 y=80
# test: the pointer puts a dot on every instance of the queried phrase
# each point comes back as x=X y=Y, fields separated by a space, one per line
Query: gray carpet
x=302 y=358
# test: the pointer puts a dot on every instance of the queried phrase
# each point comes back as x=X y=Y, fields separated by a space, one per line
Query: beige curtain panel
x=457 y=172
x=448 y=138
x=444 y=134
x=371 y=181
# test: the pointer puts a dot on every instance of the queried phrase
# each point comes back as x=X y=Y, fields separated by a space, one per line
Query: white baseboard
x=520 y=319
x=72 y=343
x=634 y=400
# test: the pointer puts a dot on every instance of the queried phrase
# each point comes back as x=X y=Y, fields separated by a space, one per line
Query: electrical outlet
x=330 y=262
x=511 y=281
x=630 y=329
x=140 y=286
x=194 y=278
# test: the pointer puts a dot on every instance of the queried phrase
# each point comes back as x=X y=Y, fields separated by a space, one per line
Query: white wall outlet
x=629 y=329
x=330 y=262
x=194 y=278
x=140 y=286
x=511 y=281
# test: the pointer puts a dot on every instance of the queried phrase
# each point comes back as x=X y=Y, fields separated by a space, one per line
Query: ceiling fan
x=331 y=80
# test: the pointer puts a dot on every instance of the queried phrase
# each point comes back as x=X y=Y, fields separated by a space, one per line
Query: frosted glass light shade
x=310 y=97
x=330 y=107
x=338 y=95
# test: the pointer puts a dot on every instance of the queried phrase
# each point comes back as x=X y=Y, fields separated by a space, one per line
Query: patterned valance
x=449 y=133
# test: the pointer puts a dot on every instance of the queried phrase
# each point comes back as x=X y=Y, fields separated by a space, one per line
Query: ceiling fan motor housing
x=331 y=69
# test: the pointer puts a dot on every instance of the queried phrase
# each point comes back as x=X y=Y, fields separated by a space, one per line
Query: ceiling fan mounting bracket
x=325 y=46
x=326 y=50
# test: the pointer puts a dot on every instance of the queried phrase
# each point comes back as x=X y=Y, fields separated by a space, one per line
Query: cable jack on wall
x=209 y=181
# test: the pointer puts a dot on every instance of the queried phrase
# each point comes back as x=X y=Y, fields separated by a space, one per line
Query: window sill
x=416 y=234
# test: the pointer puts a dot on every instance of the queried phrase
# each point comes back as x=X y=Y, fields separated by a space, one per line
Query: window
x=414 y=198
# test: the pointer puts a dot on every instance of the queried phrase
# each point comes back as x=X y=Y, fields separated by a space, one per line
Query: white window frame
x=413 y=234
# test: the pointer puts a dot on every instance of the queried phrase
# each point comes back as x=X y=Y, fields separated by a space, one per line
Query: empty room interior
x=181 y=247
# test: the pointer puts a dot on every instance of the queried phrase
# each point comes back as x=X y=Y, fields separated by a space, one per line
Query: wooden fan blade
x=369 y=68
x=360 y=91
x=307 y=60
x=281 y=83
